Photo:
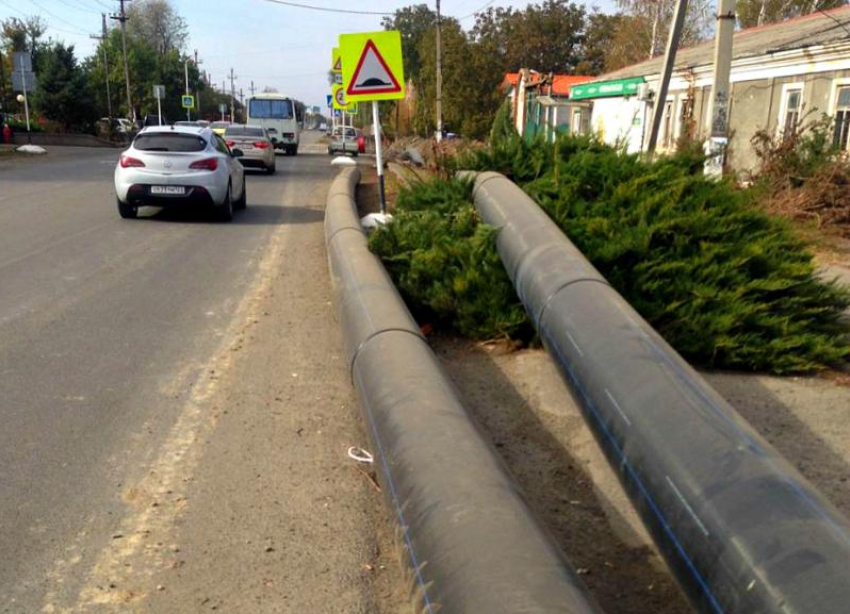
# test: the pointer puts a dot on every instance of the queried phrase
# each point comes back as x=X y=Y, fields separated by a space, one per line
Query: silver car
x=168 y=165
x=255 y=144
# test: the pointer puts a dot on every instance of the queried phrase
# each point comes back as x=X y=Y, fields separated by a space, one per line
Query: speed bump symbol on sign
x=372 y=66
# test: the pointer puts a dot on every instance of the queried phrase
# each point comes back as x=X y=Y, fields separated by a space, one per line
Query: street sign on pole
x=159 y=91
x=330 y=101
x=222 y=108
x=339 y=98
x=351 y=109
x=188 y=101
x=22 y=60
x=24 y=81
x=336 y=60
x=373 y=70
x=372 y=66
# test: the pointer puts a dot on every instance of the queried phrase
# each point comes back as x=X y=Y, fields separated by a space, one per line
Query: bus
x=280 y=116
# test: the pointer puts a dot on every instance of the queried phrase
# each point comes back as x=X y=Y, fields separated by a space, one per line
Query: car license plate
x=168 y=190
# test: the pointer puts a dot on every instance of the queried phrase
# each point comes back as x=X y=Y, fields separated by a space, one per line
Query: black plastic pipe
x=743 y=531
x=474 y=546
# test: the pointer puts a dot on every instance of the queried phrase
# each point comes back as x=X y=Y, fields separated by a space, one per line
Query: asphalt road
x=122 y=343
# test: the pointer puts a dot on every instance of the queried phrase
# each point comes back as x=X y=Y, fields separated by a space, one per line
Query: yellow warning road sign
x=351 y=109
x=339 y=98
x=336 y=60
x=372 y=66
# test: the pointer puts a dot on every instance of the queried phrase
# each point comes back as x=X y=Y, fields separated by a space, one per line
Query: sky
x=271 y=45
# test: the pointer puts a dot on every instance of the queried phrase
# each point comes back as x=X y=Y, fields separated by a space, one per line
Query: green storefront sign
x=605 y=89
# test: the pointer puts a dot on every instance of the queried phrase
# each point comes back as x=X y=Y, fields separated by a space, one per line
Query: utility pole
x=122 y=18
x=102 y=39
x=251 y=89
x=718 y=111
x=232 y=97
x=198 y=90
x=439 y=75
x=669 y=62
x=186 y=76
x=241 y=97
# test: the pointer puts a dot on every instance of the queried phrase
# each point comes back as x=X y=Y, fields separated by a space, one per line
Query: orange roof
x=561 y=83
x=511 y=78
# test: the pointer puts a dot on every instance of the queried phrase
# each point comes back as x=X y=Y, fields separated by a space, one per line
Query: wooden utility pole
x=251 y=89
x=667 y=71
x=122 y=18
x=718 y=111
x=102 y=39
x=439 y=75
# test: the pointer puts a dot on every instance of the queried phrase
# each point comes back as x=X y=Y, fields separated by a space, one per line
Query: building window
x=791 y=104
x=842 y=117
x=686 y=118
x=667 y=133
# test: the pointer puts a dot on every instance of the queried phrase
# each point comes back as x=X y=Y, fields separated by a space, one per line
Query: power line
x=326 y=9
x=65 y=21
x=79 y=7
x=51 y=27
x=474 y=13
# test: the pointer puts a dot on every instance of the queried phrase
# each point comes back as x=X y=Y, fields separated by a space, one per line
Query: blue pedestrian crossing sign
x=188 y=101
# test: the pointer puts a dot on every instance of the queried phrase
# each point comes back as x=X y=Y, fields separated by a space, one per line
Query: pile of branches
x=804 y=175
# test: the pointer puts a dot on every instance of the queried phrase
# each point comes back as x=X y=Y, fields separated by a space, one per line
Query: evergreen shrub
x=725 y=283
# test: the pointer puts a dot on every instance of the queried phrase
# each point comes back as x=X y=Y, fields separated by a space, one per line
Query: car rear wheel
x=127 y=211
x=225 y=210
x=270 y=170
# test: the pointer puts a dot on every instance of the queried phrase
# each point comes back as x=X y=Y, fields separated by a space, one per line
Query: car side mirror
x=237 y=153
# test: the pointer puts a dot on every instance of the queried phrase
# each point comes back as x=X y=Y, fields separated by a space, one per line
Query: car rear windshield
x=270 y=109
x=244 y=131
x=167 y=141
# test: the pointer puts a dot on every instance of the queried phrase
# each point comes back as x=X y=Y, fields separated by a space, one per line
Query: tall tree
x=758 y=12
x=159 y=24
x=547 y=37
x=413 y=22
x=655 y=16
x=63 y=93
x=597 y=42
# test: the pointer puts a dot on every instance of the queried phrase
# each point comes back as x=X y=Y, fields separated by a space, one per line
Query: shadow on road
x=254 y=215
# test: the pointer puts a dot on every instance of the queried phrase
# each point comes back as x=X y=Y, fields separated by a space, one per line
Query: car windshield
x=244 y=131
x=169 y=141
x=270 y=109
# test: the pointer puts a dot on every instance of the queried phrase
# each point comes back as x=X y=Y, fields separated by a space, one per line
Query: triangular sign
x=338 y=65
x=372 y=75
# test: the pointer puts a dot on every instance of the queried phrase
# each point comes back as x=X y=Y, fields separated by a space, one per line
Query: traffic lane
x=93 y=378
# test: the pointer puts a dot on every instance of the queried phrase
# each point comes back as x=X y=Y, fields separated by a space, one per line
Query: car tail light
x=130 y=162
x=261 y=145
x=231 y=143
x=207 y=164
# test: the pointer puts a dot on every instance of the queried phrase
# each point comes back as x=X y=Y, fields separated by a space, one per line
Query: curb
x=474 y=546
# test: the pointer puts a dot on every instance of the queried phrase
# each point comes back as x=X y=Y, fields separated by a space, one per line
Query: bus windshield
x=270 y=109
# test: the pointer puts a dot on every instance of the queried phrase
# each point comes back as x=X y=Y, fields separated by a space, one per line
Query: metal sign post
x=159 y=94
x=26 y=97
x=373 y=70
x=379 y=158
x=222 y=108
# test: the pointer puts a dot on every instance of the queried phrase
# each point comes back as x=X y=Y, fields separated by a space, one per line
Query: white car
x=168 y=165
